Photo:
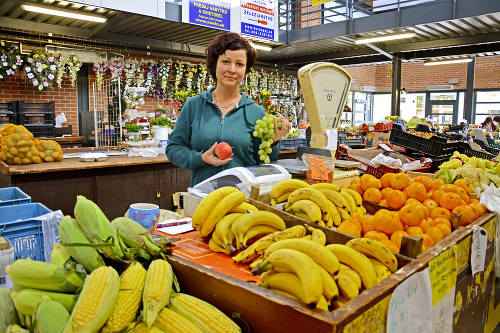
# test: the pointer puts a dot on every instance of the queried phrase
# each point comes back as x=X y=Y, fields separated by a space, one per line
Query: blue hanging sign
x=210 y=13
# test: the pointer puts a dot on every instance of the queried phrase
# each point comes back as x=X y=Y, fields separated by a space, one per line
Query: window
x=487 y=105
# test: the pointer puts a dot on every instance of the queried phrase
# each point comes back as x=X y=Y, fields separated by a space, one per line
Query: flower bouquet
x=100 y=68
x=10 y=60
x=41 y=69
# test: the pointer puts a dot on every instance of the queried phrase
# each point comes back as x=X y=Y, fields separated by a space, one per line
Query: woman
x=488 y=125
x=221 y=114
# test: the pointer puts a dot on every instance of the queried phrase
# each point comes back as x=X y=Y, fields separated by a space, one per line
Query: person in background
x=221 y=114
x=496 y=120
x=488 y=125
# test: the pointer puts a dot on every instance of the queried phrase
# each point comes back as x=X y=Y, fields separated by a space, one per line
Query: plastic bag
x=50 y=151
x=386 y=160
x=327 y=161
x=50 y=228
x=490 y=197
x=145 y=152
x=17 y=145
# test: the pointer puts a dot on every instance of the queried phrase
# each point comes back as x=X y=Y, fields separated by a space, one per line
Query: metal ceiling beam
x=448 y=42
x=44 y=28
x=379 y=50
x=110 y=24
x=322 y=56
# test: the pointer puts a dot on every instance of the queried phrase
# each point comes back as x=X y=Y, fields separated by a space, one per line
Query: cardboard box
x=373 y=138
x=130 y=144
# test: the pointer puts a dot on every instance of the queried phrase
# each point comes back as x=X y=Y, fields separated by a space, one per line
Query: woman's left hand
x=285 y=129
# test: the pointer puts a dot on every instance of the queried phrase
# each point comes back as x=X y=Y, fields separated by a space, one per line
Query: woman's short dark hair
x=228 y=41
x=497 y=119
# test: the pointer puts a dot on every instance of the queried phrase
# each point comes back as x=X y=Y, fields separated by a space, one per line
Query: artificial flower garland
x=60 y=68
x=10 y=60
x=100 y=68
x=41 y=69
x=116 y=68
x=73 y=66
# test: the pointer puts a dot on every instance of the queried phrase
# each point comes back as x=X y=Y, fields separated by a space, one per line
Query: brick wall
x=487 y=73
x=17 y=87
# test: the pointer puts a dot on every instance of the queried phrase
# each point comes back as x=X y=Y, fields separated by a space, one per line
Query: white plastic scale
x=265 y=175
x=324 y=87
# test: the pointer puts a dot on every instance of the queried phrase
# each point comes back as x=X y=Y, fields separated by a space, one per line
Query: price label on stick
x=478 y=251
x=318 y=169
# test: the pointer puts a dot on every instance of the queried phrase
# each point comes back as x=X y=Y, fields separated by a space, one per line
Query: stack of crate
x=38 y=118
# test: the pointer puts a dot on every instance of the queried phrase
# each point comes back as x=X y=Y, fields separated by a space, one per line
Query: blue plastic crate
x=292 y=143
x=13 y=196
x=20 y=225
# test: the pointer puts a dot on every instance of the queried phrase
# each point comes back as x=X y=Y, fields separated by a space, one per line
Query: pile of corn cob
x=82 y=291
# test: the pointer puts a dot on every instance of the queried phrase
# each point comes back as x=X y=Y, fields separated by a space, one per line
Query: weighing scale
x=324 y=88
x=265 y=175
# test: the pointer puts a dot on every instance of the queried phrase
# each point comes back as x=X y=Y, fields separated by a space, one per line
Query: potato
x=17 y=160
x=21 y=143
x=36 y=159
x=23 y=150
x=42 y=155
x=55 y=155
x=48 y=159
x=9 y=155
x=13 y=151
x=25 y=160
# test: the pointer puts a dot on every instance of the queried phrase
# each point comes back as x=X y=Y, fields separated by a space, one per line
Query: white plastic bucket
x=160 y=132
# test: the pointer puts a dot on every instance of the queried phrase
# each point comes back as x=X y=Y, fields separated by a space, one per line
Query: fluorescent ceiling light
x=446 y=61
x=262 y=47
x=381 y=38
x=45 y=10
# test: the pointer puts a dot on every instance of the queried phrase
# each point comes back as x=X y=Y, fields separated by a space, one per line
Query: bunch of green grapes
x=264 y=129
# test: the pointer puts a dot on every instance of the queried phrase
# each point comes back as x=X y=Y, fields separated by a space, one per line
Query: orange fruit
x=431 y=221
x=376 y=235
x=372 y=195
x=384 y=203
x=369 y=224
x=428 y=195
x=412 y=214
x=463 y=194
x=417 y=191
x=355 y=181
x=390 y=245
x=474 y=201
x=437 y=183
x=397 y=236
x=356 y=188
x=390 y=226
x=437 y=195
x=425 y=225
x=463 y=184
x=435 y=234
x=400 y=181
x=442 y=220
x=477 y=208
x=426 y=211
x=450 y=200
x=426 y=181
x=444 y=229
x=350 y=229
x=385 y=181
x=440 y=212
x=409 y=201
x=385 y=192
x=362 y=218
x=368 y=181
x=449 y=188
x=415 y=231
x=355 y=222
x=396 y=199
x=380 y=216
x=430 y=204
x=427 y=243
x=468 y=215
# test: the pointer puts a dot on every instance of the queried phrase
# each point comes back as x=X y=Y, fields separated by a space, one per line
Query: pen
x=170 y=224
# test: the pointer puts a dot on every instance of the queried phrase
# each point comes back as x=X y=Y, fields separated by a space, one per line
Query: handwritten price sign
x=318 y=169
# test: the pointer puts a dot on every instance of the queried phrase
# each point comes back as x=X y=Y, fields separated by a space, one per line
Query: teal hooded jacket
x=200 y=125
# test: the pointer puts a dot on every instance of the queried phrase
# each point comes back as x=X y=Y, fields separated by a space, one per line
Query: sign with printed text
x=257 y=18
x=443 y=274
x=210 y=13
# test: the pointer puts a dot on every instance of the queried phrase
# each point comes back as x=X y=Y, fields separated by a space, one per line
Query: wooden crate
x=266 y=311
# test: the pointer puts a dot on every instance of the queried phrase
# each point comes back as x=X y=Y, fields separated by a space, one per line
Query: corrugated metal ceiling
x=482 y=29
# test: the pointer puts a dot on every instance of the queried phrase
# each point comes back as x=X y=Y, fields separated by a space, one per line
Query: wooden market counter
x=112 y=184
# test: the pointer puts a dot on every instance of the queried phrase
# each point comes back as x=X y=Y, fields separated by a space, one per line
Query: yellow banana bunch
x=243 y=225
x=303 y=267
x=281 y=191
x=219 y=210
x=256 y=249
x=374 y=249
x=208 y=203
x=298 y=203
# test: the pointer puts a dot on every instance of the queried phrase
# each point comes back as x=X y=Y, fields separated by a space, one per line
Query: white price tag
x=478 y=251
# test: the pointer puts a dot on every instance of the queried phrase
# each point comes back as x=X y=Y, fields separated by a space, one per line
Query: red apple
x=223 y=151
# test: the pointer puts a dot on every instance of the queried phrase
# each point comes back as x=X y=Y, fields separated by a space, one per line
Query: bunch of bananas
x=324 y=276
x=322 y=203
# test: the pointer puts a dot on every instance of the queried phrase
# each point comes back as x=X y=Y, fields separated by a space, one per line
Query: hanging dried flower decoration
x=150 y=75
x=163 y=76
x=10 y=60
x=178 y=71
x=130 y=71
x=59 y=60
x=116 y=68
x=73 y=66
x=100 y=68
x=41 y=69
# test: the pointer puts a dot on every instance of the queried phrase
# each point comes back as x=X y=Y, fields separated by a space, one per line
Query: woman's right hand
x=208 y=157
